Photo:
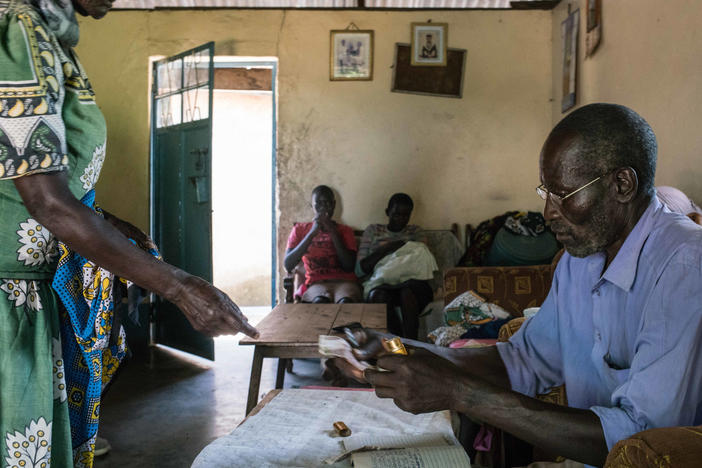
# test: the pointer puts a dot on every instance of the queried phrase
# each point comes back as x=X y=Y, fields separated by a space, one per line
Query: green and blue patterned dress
x=49 y=121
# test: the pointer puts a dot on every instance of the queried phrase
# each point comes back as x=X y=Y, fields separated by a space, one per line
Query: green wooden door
x=181 y=206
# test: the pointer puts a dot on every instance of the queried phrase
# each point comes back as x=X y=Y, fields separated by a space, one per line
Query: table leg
x=280 y=376
x=255 y=381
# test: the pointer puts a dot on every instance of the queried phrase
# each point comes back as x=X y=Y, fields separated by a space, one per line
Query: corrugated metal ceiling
x=420 y=4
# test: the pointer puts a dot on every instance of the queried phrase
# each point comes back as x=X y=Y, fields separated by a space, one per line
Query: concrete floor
x=163 y=409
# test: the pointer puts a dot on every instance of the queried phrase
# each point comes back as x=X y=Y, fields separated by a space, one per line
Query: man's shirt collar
x=622 y=271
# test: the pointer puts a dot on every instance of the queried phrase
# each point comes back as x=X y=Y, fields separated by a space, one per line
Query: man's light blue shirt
x=625 y=343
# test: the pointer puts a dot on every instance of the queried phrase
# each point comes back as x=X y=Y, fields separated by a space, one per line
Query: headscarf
x=676 y=200
x=60 y=17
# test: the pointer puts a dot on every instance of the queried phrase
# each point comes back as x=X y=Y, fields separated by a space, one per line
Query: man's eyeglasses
x=543 y=192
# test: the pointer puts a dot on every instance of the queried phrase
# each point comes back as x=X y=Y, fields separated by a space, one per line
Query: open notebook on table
x=424 y=450
x=296 y=429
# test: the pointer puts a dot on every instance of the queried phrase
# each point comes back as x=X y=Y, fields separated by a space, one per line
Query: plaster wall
x=648 y=59
x=462 y=160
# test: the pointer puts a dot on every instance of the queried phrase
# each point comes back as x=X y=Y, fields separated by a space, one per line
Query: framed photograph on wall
x=594 y=26
x=569 y=34
x=430 y=81
x=351 y=55
x=429 y=44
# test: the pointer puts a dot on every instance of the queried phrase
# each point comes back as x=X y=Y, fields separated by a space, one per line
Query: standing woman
x=56 y=347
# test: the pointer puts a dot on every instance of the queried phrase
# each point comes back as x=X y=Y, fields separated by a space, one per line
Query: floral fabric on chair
x=512 y=288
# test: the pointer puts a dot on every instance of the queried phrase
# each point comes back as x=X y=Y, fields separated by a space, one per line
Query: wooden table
x=292 y=331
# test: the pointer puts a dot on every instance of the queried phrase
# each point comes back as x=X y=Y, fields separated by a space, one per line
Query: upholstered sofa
x=512 y=288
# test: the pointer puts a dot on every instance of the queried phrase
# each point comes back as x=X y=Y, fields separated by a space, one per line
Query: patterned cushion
x=512 y=288
x=670 y=447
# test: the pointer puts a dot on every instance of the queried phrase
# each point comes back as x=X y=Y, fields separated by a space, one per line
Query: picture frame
x=429 y=44
x=351 y=55
x=569 y=36
x=429 y=81
x=594 y=26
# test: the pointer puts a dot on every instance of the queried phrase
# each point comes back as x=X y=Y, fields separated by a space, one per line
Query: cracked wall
x=462 y=160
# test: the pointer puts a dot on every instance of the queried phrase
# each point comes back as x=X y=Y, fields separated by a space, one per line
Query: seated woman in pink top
x=328 y=251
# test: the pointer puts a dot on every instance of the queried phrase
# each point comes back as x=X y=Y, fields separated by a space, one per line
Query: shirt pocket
x=614 y=375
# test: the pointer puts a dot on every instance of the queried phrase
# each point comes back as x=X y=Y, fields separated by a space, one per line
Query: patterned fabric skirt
x=92 y=349
x=34 y=422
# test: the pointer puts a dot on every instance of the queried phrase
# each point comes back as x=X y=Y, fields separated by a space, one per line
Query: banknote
x=334 y=346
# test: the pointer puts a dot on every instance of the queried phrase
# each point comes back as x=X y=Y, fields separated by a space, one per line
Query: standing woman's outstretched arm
x=51 y=203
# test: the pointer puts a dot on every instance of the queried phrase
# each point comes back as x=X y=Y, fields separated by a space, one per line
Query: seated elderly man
x=621 y=325
x=328 y=251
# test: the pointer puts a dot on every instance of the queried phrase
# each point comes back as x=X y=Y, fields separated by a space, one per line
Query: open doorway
x=243 y=181
x=212 y=181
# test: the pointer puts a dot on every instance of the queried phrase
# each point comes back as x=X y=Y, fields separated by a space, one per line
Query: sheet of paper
x=296 y=429
x=428 y=457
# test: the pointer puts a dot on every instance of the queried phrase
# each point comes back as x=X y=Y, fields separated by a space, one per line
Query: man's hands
x=209 y=310
x=419 y=383
x=368 y=345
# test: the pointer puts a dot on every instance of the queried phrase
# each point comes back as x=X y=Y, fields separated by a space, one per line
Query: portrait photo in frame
x=351 y=55
x=594 y=26
x=430 y=81
x=569 y=34
x=429 y=44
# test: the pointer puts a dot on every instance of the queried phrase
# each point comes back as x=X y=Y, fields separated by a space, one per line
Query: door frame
x=232 y=62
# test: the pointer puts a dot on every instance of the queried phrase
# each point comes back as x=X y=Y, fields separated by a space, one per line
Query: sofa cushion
x=512 y=288
x=669 y=447
x=513 y=249
x=447 y=251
